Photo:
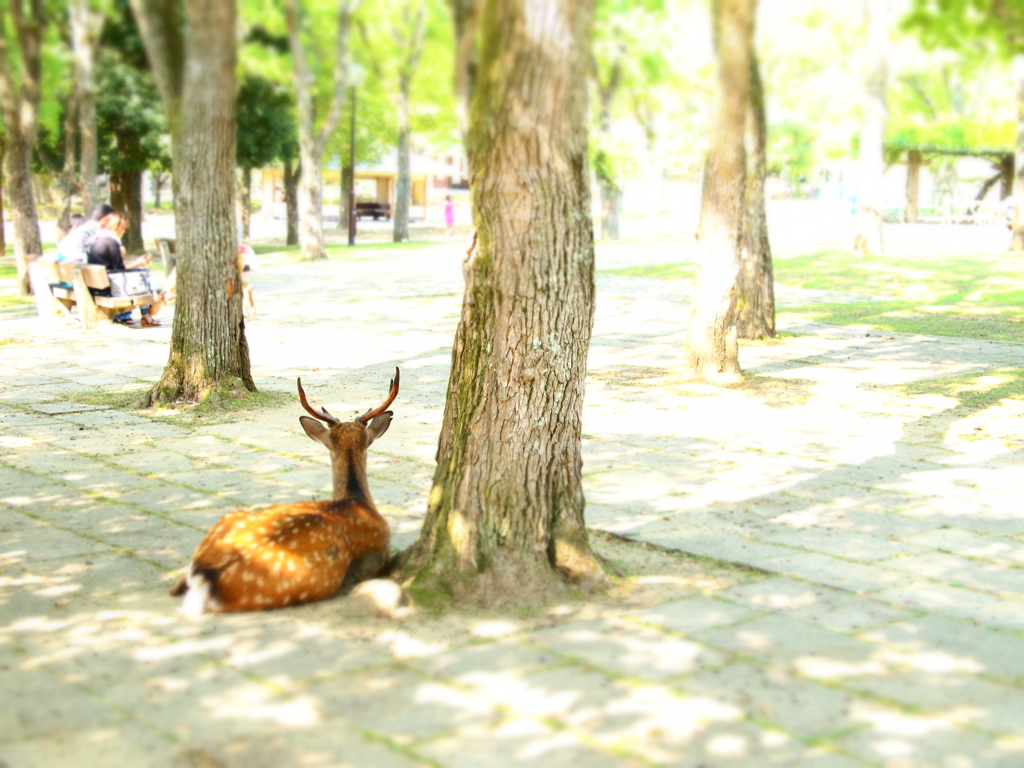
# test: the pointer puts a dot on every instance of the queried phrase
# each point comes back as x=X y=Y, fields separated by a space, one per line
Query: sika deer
x=296 y=553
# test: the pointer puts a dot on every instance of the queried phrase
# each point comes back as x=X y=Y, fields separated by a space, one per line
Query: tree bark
x=403 y=182
x=755 y=305
x=20 y=109
x=1017 y=241
x=914 y=163
x=506 y=510
x=871 y=160
x=312 y=142
x=126 y=197
x=246 y=189
x=412 y=36
x=291 y=202
x=1006 y=166
x=68 y=175
x=3 y=156
x=711 y=349
x=86 y=27
x=196 y=75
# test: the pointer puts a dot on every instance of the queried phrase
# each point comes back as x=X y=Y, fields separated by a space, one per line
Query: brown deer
x=296 y=553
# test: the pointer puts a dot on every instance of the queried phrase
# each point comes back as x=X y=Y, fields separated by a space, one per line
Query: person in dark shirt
x=106 y=249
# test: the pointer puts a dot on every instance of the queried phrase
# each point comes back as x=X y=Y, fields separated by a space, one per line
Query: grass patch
x=13 y=300
x=659 y=271
x=225 y=410
x=975 y=391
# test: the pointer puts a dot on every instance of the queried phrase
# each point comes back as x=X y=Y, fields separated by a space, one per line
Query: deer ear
x=315 y=430
x=378 y=427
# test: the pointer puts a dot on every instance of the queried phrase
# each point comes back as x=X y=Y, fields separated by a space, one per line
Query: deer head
x=347 y=441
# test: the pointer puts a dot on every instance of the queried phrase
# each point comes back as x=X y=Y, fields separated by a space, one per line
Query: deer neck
x=349 y=470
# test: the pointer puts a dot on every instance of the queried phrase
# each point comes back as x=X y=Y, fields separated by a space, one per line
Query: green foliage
x=130 y=118
x=791 y=151
x=974 y=27
x=266 y=122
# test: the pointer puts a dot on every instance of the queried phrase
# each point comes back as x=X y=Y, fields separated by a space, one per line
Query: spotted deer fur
x=296 y=553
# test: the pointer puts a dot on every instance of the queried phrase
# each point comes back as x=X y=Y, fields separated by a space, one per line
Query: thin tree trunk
x=711 y=349
x=755 y=304
x=914 y=163
x=607 y=178
x=246 y=189
x=126 y=197
x=20 y=110
x=871 y=160
x=1017 y=241
x=403 y=184
x=3 y=156
x=86 y=27
x=1006 y=165
x=344 y=187
x=465 y=16
x=158 y=186
x=67 y=175
x=506 y=509
x=291 y=202
x=196 y=74
x=311 y=141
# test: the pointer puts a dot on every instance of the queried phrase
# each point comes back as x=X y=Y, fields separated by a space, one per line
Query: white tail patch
x=197 y=598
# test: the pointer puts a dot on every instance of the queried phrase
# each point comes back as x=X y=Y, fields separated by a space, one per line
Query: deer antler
x=323 y=415
x=370 y=415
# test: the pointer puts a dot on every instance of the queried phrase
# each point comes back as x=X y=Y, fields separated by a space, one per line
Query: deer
x=288 y=554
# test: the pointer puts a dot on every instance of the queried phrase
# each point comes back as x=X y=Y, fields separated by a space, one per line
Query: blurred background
x=949 y=137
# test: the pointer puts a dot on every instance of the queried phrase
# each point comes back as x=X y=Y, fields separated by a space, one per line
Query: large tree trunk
x=311 y=141
x=291 y=202
x=245 y=187
x=1017 y=241
x=506 y=510
x=86 y=27
x=871 y=160
x=914 y=164
x=711 y=349
x=1006 y=165
x=403 y=183
x=196 y=75
x=126 y=197
x=465 y=16
x=20 y=112
x=755 y=303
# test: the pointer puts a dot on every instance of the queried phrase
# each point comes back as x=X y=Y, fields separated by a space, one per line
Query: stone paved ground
x=851 y=593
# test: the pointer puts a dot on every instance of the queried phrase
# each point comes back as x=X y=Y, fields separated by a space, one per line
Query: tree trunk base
x=173 y=388
x=512 y=578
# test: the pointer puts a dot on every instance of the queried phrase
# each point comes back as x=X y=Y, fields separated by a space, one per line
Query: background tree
x=265 y=124
x=408 y=33
x=20 y=91
x=506 y=509
x=871 y=151
x=132 y=129
x=711 y=348
x=988 y=28
x=86 y=27
x=3 y=154
x=313 y=139
x=191 y=47
x=755 y=300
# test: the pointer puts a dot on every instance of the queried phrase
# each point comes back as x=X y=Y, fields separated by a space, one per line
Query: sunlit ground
x=820 y=565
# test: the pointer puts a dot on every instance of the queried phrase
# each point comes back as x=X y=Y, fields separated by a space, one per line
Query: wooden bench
x=377 y=210
x=50 y=279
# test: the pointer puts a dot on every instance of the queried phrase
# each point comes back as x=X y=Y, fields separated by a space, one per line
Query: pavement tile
x=846 y=544
x=892 y=738
x=696 y=613
x=46 y=544
x=627 y=651
x=115 y=745
x=962 y=572
x=834 y=572
x=774 y=695
x=45 y=706
x=957 y=603
x=940 y=644
x=824 y=606
x=811 y=651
